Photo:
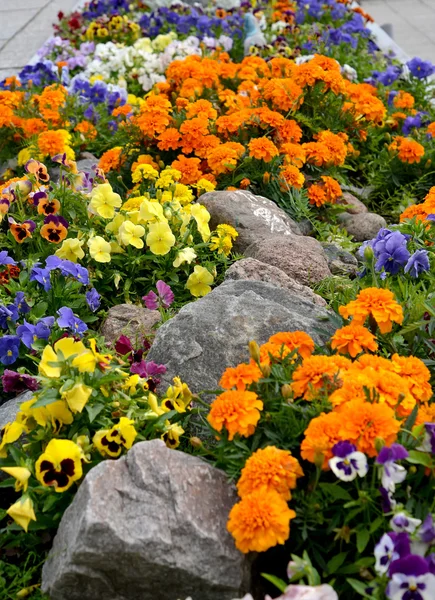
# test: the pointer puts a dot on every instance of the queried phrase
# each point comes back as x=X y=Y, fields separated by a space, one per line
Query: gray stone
x=254 y=270
x=149 y=525
x=364 y=226
x=301 y=258
x=10 y=409
x=213 y=333
x=352 y=204
x=340 y=262
x=251 y=215
x=86 y=162
x=131 y=320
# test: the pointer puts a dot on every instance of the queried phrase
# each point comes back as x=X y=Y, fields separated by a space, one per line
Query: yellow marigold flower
x=132 y=234
x=144 y=172
x=186 y=255
x=377 y=302
x=71 y=249
x=21 y=476
x=199 y=281
x=183 y=194
x=110 y=442
x=202 y=218
x=260 y=521
x=204 y=185
x=9 y=434
x=171 y=436
x=99 y=249
x=104 y=201
x=60 y=465
x=353 y=339
x=227 y=230
x=160 y=238
x=270 y=469
x=237 y=411
x=77 y=397
x=222 y=244
x=22 y=512
x=63 y=349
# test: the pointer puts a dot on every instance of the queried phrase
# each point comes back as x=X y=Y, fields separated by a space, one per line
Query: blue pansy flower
x=418 y=263
x=9 y=349
x=68 y=320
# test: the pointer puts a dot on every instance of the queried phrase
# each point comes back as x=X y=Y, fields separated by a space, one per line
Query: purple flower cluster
x=66 y=267
x=148 y=370
x=99 y=93
x=391 y=254
x=420 y=68
x=97 y=8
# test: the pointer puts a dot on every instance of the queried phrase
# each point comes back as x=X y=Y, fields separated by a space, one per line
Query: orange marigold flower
x=377 y=303
x=321 y=435
x=295 y=340
x=415 y=373
x=88 y=130
x=313 y=374
x=245 y=183
x=317 y=153
x=54 y=141
x=33 y=126
x=336 y=146
x=332 y=188
x=317 y=195
x=223 y=158
x=240 y=377
x=270 y=469
x=403 y=100
x=362 y=423
x=189 y=169
x=262 y=149
x=408 y=150
x=260 y=521
x=415 y=210
x=284 y=94
x=431 y=129
x=144 y=159
x=289 y=131
x=353 y=339
x=203 y=109
x=294 y=154
x=169 y=139
x=238 y=412
x=111 y=160
x=292 y=176
x=426 y=414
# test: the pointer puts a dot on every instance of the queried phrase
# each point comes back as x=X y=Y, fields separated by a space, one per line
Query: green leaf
x=94 y=410
x=376 y=524
x=335 y=491
x=47 y=397
x=277 y=582
x=362 y=539
x=335 y=563
x=359 y=587
x=419 y=458
x=40 y=309
x=50 y=501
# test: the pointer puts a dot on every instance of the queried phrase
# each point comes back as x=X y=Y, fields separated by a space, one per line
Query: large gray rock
x=213 y=333
x=131 y=320
x=255 y=270
x=352 y=204
x=10 y=409
x=301 y=258
x=340 y=262
x=251 y=215
x=364 y=226
x=149 y=525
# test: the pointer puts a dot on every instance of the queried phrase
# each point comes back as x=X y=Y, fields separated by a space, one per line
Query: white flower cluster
x=146 y=60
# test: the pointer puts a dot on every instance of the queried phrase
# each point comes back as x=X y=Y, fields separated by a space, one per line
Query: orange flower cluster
x=328 y=190
x=237 y=411
x=376 y=303
x=421 y=211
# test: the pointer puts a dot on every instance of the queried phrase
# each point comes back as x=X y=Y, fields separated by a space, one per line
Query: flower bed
x=292 y=101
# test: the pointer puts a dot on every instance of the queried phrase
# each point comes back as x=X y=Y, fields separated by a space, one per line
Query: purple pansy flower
x=402 y=522
x=9 y=349
x=147 y=369
x=68 y=320
x=388 y=503
x=411 y=579
x=18 y=382
x=41 y=276
x=8 y=314
x=392 y=253
x=420 y=68
x=164 y=298
x=418 y=263
x=5 y=259
x=392 y=473
x=21 y=304
x=428 y=444
x=29 y=333
x=93 y=299
x=347 y=463
x=390 y=547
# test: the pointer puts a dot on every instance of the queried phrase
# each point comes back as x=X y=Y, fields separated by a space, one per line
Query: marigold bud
x=266 y=177
x=379 y=444
x=195 y=442
x=266 y=369
x=286 y=391
x=254 y=351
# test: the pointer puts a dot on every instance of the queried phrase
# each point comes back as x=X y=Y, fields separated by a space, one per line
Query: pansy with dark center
x=347 y=462
x=21 y=231
x=55 y=229
x=60 y=465
x=390 y=547
x=392 y=473
x=411 y=579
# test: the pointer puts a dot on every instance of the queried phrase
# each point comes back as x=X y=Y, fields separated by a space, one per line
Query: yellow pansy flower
x=71 y=249
x=9 y=434
x=172 y=434
x=77 y=396
x=99 y=249
x=202 y=217
x=199 y=281
x=186 y=255
x=110 y=442
x=178 y=396
x=88 y=360
x=160 y=238
x=22 y=512
x=132 y=234
x=151 y=211
x=115 y=224
x=104 y=201
x=60 y=465
x=63 y=349
x=21 y=476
